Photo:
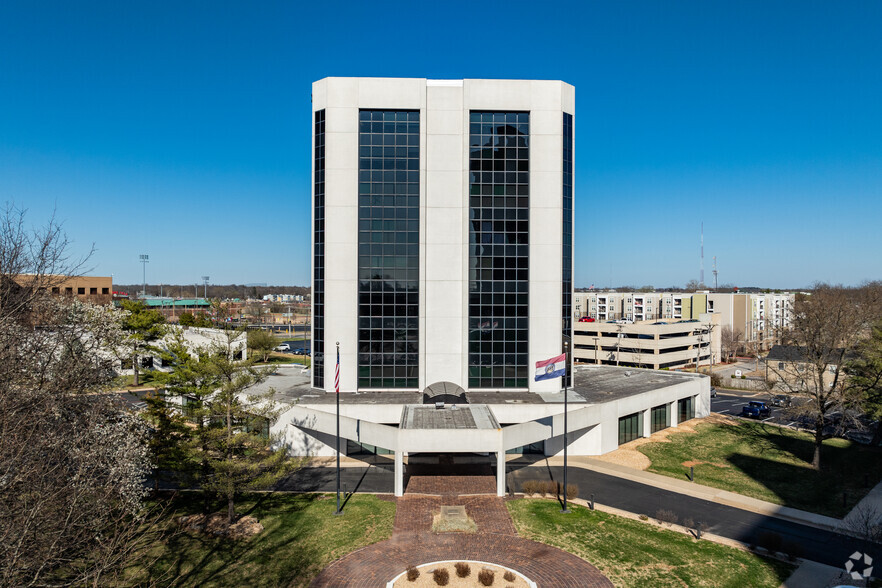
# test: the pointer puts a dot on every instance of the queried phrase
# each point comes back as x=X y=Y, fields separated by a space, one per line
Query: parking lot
x=859 y=429
x=730 y=403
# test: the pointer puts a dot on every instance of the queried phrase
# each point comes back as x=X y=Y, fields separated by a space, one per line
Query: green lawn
x=633 y=553
x=145 y=378
x=301 y=537
x=770 y=463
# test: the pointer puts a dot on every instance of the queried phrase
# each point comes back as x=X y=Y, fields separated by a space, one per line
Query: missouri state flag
x=551 y=368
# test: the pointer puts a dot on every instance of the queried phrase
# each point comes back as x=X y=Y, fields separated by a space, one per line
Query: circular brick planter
x=402 y=582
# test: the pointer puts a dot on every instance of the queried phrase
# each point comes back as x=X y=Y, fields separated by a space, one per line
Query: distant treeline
x=214 y=290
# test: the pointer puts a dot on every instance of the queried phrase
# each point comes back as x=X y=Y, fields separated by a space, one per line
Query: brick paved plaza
x=496 y=541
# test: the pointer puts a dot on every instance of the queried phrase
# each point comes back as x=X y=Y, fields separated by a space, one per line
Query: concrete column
x=647 y=422
x=672 y=411
x=399 y=473
x=500 y=473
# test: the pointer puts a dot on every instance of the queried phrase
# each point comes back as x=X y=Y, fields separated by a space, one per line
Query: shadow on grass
x=780 y=460
x=281 y=555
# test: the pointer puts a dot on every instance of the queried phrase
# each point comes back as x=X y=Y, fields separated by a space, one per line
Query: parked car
x=756 y=409
x=586 y=319
x=283 y=347
x=713 y=392
x=782 y=400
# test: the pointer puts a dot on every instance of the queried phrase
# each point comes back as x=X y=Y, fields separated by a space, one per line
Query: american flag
x=337 y=373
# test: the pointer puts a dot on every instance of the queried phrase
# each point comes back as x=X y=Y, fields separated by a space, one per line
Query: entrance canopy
x=428 y=416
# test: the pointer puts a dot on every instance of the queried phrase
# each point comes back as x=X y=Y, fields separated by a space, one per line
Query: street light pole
x=205 y=290
x=145 y=259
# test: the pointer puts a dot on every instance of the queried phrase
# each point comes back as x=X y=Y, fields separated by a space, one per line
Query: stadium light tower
x=205 y=290
x=145 y=259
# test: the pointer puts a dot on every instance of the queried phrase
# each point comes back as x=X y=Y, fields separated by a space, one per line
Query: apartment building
x=758 y=318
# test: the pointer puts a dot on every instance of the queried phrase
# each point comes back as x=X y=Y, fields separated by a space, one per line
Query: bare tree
x=730 y=341
x=71 y=461
x=825 y=330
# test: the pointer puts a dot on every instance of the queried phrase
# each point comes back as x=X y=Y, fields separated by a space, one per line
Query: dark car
x=713 y=392
x=756 y=409
x=782 y=400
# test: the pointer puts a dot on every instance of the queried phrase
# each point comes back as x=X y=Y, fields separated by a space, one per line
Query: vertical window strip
x=499 y=207
x=318 y=278
x=388 y=248
x=567 y=253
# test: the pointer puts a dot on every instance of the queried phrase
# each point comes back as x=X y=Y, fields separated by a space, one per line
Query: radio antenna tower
x=701 y=272
x=715 y=273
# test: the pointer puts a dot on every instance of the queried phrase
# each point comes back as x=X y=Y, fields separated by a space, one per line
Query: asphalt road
x=815 y=544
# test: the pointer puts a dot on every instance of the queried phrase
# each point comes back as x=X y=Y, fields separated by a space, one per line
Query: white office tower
x=443 y=232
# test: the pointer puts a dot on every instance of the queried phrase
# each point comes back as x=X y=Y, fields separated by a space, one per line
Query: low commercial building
x=195 y=338
x=95 y=289
x=607 y=406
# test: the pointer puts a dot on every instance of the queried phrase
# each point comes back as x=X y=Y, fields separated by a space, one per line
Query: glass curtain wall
x=388 y=248
x=685 y=409
x=318 y=263
x=499 y=208
x=630 y=428
x=659 y=418
x=567 y=253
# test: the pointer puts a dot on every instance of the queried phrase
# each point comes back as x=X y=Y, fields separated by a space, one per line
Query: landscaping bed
x=633 y=553
x=770 y=463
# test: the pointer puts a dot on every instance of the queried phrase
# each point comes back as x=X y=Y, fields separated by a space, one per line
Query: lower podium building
x=607 y=406
x=442 y=272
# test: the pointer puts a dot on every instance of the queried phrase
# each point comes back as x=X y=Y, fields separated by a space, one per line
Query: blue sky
x=181 y=129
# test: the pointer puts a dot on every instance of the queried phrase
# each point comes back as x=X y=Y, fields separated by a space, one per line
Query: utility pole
x=145 y=259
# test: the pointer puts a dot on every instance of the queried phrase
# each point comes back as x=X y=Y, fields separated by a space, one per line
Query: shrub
x=666 y=516
x=643 y=517
x=732 y=376
x=441 y=576
x=551 y=487
x=716 y=380
x=770 y=540
x=688 y=523
x=743 y=377
x=486 y=577
x=572 y=491
x=529 y=487
x=462 y=569
x=412 y=574
x=508 y=576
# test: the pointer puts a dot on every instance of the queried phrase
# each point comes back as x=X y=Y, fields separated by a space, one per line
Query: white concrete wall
x=593 y=428
x=444 y=237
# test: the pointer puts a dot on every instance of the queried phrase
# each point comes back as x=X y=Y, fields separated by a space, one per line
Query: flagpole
x=565 y=509
x=337 y=390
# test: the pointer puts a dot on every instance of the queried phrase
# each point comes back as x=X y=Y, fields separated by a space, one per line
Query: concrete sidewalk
x=811 y=574
x=706 y=492
x=866 y=512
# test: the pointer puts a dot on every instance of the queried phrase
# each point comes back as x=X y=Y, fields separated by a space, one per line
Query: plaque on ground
x=454 y=513
x=453 y=519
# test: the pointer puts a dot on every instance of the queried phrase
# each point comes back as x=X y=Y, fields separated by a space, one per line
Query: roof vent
x=439 y=405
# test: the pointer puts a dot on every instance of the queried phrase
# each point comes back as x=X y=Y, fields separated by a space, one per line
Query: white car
x=283 y=347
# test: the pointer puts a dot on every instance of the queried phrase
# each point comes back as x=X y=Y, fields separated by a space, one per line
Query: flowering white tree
x=72 y=461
